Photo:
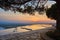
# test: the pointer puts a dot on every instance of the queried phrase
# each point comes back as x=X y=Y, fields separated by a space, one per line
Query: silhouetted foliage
x=24 y=6
x=57 y=1
x=52 y=12
x=30 y=6
x=15 y=1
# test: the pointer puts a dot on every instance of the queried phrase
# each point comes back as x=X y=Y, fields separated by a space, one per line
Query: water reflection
x=1 y=28
x=13 y=18
x=37 y=26
x=33 y=27
x=8 y=8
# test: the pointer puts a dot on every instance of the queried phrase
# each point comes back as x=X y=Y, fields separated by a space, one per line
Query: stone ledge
x=19 y=36
x=45 y=37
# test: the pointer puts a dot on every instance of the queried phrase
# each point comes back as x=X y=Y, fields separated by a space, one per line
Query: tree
x=51 y=13
x=54 y=13
x=16 y=1
x=34 y=5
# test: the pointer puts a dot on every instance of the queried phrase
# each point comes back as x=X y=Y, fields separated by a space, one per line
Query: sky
x=18 y=17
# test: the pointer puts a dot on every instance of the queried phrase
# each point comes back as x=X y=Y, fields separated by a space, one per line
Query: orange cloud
x=25 y=17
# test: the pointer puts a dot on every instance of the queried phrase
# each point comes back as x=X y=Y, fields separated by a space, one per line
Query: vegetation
x=53 y=12
x=29 y=6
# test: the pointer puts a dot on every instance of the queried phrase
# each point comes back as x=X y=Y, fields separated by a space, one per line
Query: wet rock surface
x=18 y=36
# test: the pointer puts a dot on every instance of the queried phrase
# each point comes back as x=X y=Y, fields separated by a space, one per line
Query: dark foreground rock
x=19 y=36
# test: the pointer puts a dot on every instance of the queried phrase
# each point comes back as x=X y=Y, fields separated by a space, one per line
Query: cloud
x=18 y=17
x=50 y=3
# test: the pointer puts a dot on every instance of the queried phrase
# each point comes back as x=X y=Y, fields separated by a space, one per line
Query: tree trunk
x=58 y=24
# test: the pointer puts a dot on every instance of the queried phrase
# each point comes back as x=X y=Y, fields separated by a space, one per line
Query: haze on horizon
x=18 y=17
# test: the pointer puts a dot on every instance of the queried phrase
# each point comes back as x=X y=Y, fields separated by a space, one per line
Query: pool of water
x=2 y=28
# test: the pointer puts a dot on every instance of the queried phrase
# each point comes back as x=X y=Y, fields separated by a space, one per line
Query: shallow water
x=35 y=26
x=2 y=28
x=8 y=17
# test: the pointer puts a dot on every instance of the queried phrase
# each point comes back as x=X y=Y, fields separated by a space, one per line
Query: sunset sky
x=11 y=16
